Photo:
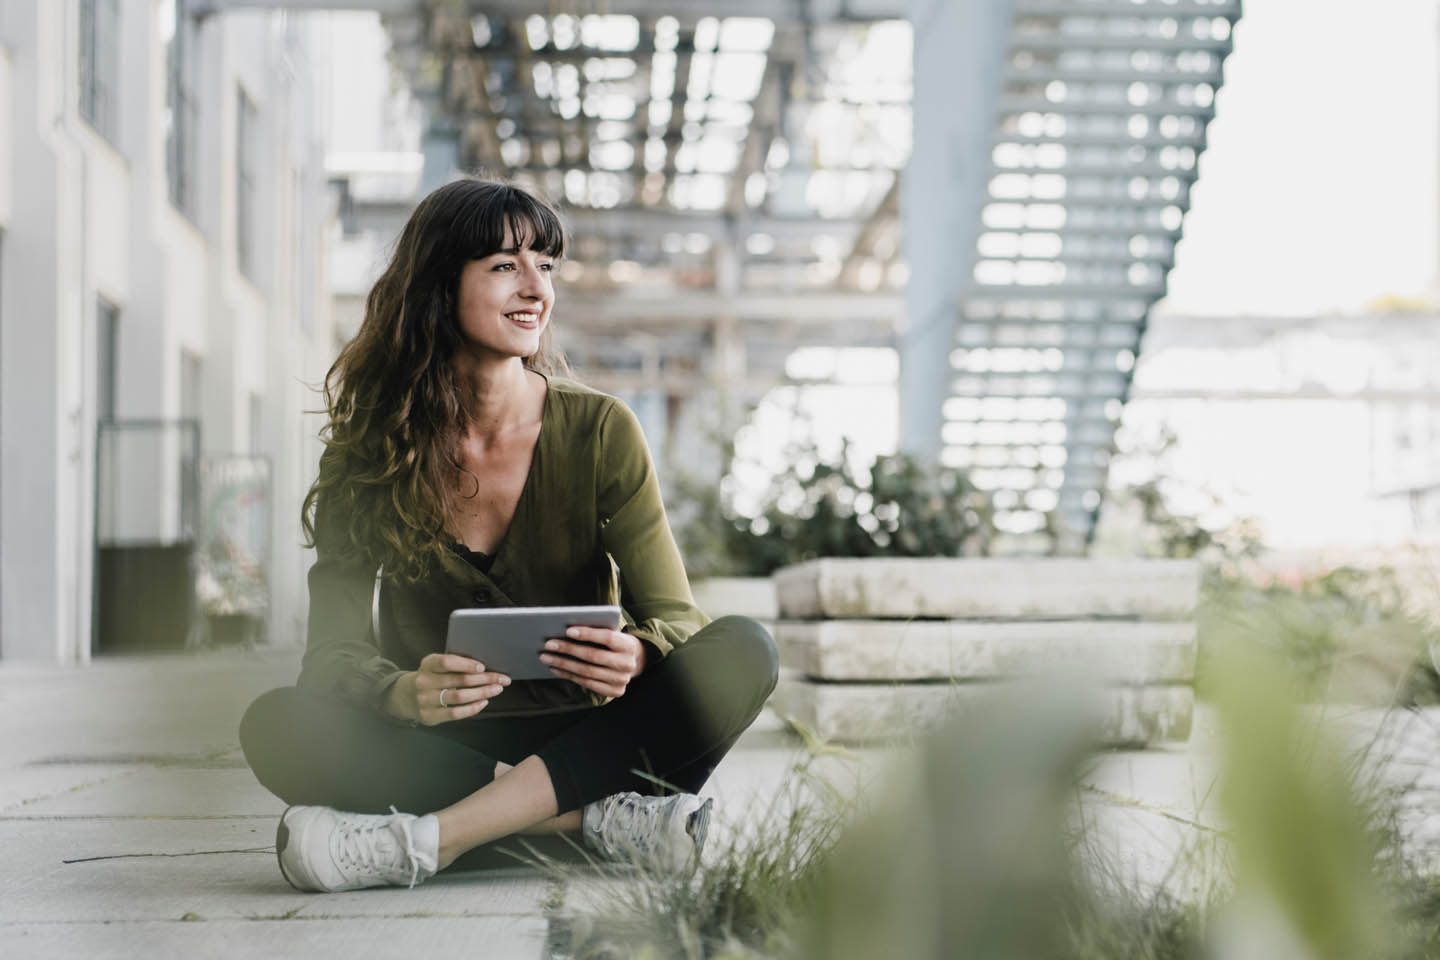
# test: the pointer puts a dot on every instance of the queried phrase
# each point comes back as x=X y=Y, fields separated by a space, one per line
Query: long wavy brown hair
x=396 y=407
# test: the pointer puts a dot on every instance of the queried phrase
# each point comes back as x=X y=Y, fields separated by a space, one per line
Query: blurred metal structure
x=715 y=232
x=732 y=175
x=1097 y=122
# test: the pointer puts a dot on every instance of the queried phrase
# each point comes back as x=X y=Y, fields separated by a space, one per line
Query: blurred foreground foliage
x=823 y=506
x=1348 y=633
x=968 y=844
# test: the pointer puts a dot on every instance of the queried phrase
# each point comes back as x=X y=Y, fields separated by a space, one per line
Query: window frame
x=247 y=181
x=98 y=67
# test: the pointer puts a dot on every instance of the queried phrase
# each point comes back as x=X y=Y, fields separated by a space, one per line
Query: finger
x=437 y=715
x=602 y=656
x=458 y=704
x=484 y=680
x=469 y=710
x=604 y=636
x=450 y=663
x=467 y=695
x=590 y=671
x=605 y=689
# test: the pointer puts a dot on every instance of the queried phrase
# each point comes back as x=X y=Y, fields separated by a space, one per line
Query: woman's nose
x=532 y=281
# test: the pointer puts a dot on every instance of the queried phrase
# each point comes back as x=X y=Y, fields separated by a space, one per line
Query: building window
x=100 y=64
x=107 y=317
x=177 y=35
x=246 y=154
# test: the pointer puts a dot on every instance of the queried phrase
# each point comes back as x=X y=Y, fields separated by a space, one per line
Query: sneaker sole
x=699 y=825
x=282 y=840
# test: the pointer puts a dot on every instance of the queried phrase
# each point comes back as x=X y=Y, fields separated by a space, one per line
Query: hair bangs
x=500 y=209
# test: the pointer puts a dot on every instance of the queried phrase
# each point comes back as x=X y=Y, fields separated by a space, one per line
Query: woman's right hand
x=463 y=683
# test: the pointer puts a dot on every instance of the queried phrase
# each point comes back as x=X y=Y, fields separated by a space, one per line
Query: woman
x=460 y=471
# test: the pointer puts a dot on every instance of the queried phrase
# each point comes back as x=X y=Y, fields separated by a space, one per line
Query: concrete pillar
x=440 y=147
x=959 y=67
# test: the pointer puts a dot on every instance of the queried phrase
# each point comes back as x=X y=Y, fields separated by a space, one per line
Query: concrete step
x=746 y=596
x=1114 y=651
x=991 y=587
x=876 y=712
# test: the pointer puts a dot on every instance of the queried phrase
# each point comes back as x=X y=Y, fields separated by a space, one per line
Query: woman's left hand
x=600 y=660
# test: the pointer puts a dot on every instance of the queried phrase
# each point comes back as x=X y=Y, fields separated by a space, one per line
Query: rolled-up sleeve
x=635 y=532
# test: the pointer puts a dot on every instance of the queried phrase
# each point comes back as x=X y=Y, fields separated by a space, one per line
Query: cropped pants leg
x=672 y=727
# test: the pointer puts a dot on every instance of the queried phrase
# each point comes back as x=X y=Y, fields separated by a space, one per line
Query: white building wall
x=7 y=133
x=84 y=217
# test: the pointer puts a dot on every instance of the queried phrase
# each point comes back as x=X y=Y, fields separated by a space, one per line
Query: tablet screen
x=509 y=640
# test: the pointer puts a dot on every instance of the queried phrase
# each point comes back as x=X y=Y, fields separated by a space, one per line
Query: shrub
x=819 y=506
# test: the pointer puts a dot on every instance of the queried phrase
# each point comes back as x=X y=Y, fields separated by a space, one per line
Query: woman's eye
x=547 y=267
x=503 y=266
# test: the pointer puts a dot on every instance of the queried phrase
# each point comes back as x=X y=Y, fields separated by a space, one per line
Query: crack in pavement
x=276 y=918
x=66 y=817
x=191 y=853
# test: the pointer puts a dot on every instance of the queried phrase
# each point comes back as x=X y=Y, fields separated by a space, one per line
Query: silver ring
x=444 y=691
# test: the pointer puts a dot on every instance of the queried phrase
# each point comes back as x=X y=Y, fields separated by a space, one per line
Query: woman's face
x=505 y=299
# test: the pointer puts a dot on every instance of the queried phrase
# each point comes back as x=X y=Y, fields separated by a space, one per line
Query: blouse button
x=478 y=596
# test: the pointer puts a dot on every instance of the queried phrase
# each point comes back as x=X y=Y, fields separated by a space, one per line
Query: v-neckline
x=497 y=552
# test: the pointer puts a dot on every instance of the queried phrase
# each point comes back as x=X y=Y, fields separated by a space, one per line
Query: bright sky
x=1318 y=191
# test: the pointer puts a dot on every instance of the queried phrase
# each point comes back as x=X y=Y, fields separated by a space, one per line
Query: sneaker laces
x=632 y=825
x=365 y=846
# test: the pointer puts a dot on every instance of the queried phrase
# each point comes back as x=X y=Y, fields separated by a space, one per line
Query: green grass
x=743 y=902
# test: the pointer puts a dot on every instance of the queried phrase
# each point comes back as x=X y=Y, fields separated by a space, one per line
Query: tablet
x=509 y=640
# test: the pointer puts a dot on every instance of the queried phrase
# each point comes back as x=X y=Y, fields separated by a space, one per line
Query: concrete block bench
x=746 y=596
x=886 y=648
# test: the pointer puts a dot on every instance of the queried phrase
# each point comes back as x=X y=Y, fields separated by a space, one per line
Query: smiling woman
x=463 y=470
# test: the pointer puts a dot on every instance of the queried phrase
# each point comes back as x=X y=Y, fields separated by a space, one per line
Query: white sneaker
x=325 y=850
x=663 y=833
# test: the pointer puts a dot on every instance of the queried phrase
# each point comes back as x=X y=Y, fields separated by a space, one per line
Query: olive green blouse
x=589 y=528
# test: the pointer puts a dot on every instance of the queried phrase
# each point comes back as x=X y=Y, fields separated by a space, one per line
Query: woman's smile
x=526 y=319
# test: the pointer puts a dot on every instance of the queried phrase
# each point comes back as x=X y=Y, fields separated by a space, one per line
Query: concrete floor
x=132 y=828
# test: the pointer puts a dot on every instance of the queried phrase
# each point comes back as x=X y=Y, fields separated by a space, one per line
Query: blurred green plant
x=743 y=903
x=1348 y=634
x=823 y=506
x=1203 y=529
x=967 y=847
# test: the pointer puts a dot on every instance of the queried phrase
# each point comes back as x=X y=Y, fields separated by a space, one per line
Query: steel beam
x=819 y=306
x=394 y=8
x=688 y=11
x=388 y=218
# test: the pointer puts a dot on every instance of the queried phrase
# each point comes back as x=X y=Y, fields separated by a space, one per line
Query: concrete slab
x=873 y=712
x=165 y=824
x=164 y=792
x=746 y=596
x=1016 y=589
x=27 y=785
x=1108 y=650
x=378 y=936
x=127 y=871
x=175 y=706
